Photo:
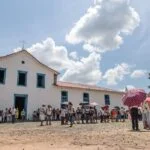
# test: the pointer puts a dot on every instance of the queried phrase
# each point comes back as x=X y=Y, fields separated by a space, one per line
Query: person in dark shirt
x=134 y=118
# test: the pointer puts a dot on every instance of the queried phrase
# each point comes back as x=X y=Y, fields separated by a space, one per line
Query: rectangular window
x=2 y=75
x=41 y=80
x=55 y=79
x=64 y=96
x=22 y=78
x=86 y=97
x=107 y=99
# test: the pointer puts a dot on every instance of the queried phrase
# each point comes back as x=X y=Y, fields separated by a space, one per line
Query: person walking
x=134 y=118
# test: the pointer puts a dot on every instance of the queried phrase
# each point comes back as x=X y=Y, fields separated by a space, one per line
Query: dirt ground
x=105 y=136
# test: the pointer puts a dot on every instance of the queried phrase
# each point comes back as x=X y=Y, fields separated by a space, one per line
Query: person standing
x=57 y=114
x=146 y=116
x=70 y=111
x=23 y=115
x=134 y=118
x=42 y=114
x=53 y=114
x=82 y=114
x=95 y=114
x=78 y=115
x=91 y=113
x=48 y=115
x=87 y=109
x=6 y=115
x=13 y=113
x=101 y=115
x=62 y=115
x=1 y=116
x=66 y=115
x=17 y=114
x=122 y=113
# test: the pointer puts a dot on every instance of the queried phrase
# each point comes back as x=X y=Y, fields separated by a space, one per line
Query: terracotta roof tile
x=85 y=86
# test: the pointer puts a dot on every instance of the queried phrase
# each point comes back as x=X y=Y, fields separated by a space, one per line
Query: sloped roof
x=24 y=51
x=85 y=86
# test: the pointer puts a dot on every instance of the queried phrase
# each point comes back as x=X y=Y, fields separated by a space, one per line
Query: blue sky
x=45 y=26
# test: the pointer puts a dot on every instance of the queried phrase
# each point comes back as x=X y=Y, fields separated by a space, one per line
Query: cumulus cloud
x=112 y=76
x=90 y=48
x=128 y=87
x=50 y=54
x=138 y=73
x=74 y=55
x=100 y=29
x=104 y=24
x=83 y=70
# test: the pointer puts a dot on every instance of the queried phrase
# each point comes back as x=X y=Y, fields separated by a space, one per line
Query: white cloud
x=138 y=73
x=74 y=55
x=50 y=54
x=112 y=76
x=85 y=70
x=128 y=87
x=104 y=24
x=91 y=48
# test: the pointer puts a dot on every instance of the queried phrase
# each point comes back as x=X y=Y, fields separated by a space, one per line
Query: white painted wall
x=76 y=96
x=37 y=96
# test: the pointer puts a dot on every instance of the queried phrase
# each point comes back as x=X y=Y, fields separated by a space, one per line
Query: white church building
x=26 y=83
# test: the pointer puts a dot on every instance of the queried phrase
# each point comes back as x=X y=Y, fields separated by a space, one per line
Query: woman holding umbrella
x=134 y=118
x=133 y=99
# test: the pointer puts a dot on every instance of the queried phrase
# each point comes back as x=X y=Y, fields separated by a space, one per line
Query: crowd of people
x=83 y=114
x=11 y=115
x=69 y=115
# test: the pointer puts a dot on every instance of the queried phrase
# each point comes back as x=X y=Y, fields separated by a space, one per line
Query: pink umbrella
x=147 y=100
x=134 y=97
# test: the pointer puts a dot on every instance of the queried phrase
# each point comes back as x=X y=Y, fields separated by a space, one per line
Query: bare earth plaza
x=109 y=136
x=75 y=75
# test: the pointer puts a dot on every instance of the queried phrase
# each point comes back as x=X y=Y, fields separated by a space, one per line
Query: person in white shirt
x=13 y=113
x=42 y=114
x=23 y=114
x=48 y=115
x=146 y=115
x=63 y=114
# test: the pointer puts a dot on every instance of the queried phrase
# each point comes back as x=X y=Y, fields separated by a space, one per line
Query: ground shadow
x=139 y=131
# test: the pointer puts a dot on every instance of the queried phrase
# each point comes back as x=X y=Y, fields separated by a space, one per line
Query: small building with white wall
x=26 y=83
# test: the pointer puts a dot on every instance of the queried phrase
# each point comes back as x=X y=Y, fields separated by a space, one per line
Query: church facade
x=26 y=83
